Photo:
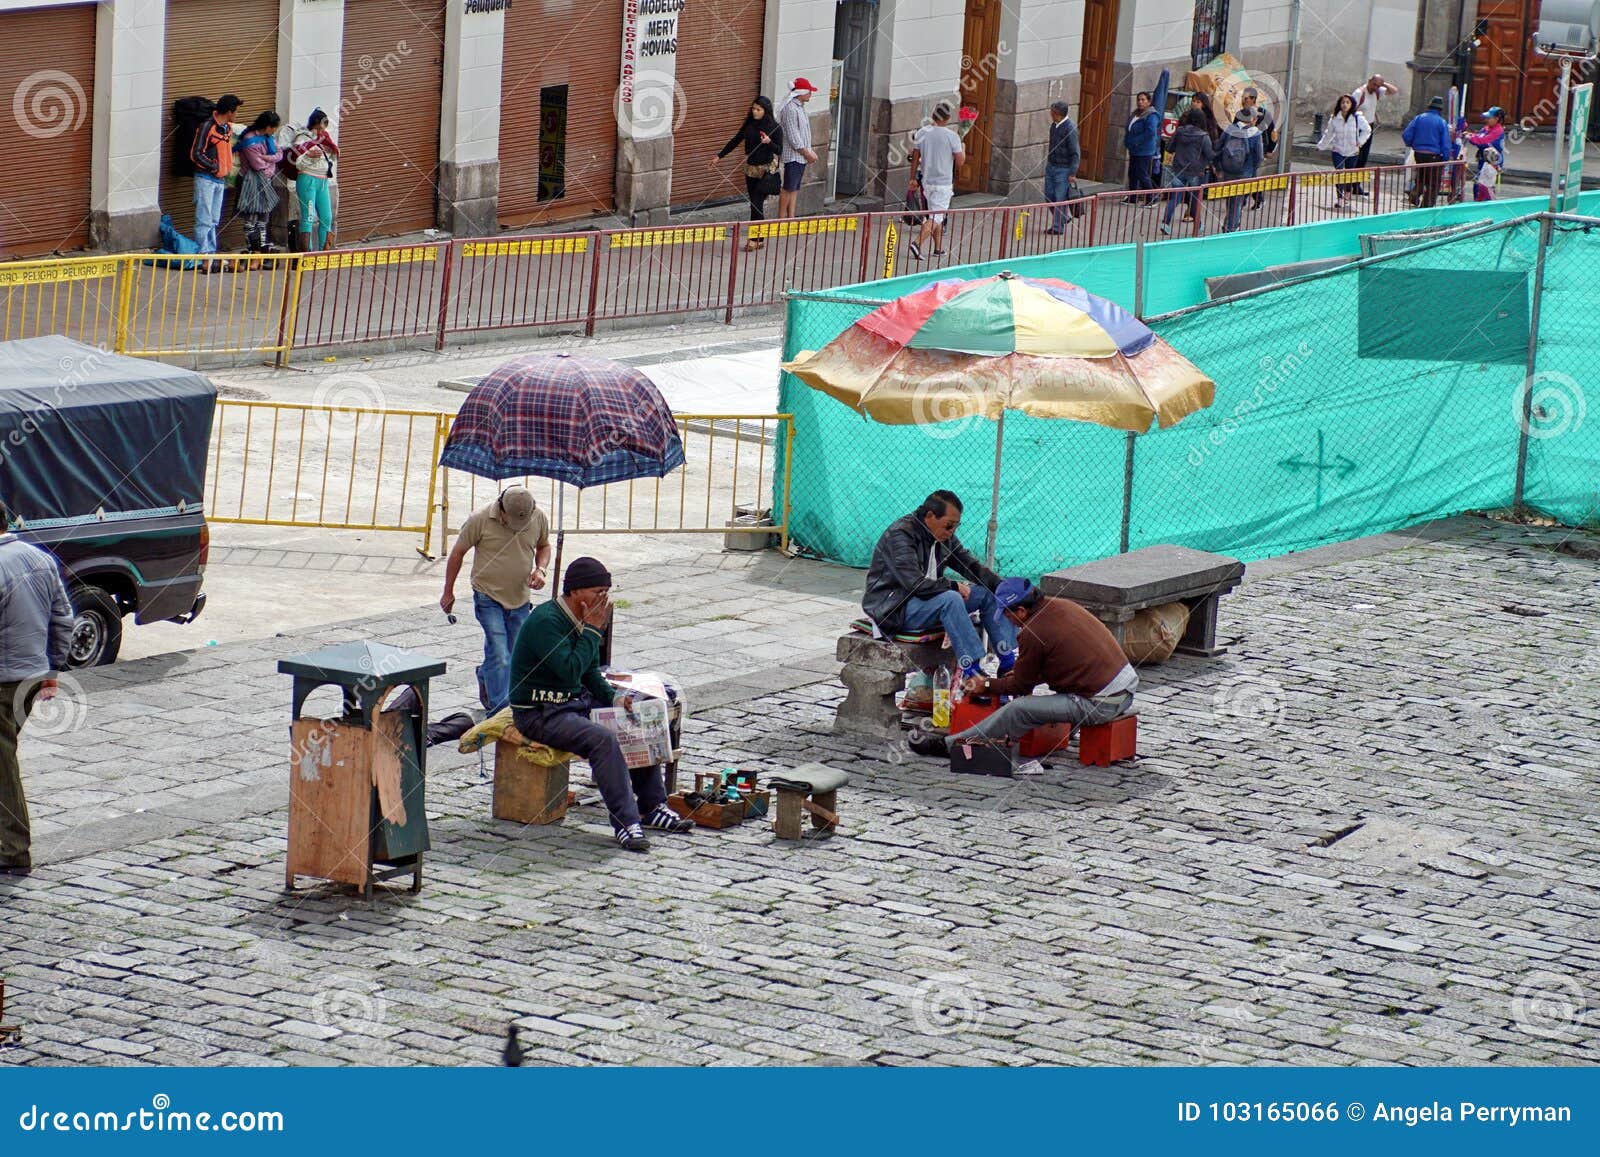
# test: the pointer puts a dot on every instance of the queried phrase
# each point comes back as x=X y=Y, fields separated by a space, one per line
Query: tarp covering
x=1354 y=401
x=86 y=434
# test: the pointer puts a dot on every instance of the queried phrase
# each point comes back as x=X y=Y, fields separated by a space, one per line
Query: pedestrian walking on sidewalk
x=762 y=139
x=936 y=154
x=1366 y=97
x=313 y=151
x=1429 y=137
x=1343 y=135
x=1142 y=139
x=1061 y=160
x=556 y=681
x=1251 y=99
x=211 y=154
x=1192 y=158
x=510 y=541
x=258 y=165
x=797 y=151
x=1238 y=159
x=35 y=634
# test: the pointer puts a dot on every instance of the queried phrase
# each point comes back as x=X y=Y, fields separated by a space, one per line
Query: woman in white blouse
x=1343 y=135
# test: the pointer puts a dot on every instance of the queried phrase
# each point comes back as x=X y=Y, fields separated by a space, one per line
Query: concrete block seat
x=875 y=671
x=1117 y=588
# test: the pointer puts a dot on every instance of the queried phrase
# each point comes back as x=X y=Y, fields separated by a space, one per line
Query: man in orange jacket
x=212 y=155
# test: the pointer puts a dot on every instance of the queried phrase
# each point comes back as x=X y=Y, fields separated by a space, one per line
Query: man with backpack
x=1238 y=158
x=211 y=154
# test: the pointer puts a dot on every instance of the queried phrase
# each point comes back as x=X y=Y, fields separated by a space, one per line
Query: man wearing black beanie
x=556 y=681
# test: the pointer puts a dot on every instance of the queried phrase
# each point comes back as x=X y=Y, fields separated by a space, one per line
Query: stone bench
x=1117 y=588
x=874 y=671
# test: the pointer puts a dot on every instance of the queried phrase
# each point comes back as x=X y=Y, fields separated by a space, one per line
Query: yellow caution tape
x=643 y=237
x=47 y=273
x=368 y=258
x=805 y=228
x=541 y=248
x=1240 y=188
x=891 y=237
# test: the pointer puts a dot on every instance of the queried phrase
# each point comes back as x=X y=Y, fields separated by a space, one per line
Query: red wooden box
x=1106 y=743
x=1036 y=744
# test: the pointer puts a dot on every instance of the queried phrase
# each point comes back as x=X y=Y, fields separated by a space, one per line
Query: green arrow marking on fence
x=1339 y=465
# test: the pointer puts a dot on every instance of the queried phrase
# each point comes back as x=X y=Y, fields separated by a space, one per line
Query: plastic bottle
x=941 y=697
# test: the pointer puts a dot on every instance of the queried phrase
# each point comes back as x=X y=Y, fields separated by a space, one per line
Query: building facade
x=474 y=116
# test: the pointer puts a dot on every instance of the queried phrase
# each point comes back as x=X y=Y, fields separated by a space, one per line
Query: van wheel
x=96 y=627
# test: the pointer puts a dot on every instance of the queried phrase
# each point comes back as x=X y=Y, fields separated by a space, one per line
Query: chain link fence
x=1437 y=379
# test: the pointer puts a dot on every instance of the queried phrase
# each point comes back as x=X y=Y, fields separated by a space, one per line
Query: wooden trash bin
x=357 y=781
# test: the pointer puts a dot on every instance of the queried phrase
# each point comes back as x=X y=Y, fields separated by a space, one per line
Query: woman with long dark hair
x=1343 y=135
x=763 y=143
x=258 y=150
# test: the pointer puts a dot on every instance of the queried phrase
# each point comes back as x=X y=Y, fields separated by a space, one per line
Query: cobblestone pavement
x=1366 y=834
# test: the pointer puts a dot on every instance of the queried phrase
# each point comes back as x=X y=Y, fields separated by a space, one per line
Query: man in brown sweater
x=1059 y=643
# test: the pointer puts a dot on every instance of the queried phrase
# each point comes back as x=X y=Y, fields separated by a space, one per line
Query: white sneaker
x=1029 y=767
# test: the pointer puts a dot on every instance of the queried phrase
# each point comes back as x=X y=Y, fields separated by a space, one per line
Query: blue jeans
x=500 y=628
x=1183 y=191
x=950 y=612
x=1058 y=188
x=207 y=212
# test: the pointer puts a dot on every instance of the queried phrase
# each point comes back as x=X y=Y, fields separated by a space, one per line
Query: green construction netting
x=1366 y=398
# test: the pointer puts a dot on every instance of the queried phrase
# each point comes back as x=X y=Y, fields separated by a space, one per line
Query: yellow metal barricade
x=340 y=468
x=725 y=486
x=74 y=296
x=170 y=307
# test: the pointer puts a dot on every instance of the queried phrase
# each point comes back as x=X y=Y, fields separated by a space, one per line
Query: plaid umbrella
x=582 y=421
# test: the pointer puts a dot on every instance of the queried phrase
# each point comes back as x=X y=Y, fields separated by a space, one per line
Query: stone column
x=916 y=64
x=799 y=42
x=649 y=107
x=129 y=112
x=1037 y=63
x=1441 y=26
x=310 y=59
x=469 y=120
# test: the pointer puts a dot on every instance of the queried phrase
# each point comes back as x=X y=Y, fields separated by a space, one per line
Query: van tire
x=96 y=627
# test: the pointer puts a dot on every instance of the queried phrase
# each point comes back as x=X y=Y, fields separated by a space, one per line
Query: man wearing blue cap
x=1063 y=645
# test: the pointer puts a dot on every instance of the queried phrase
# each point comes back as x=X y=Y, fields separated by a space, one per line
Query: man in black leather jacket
x=907 y=590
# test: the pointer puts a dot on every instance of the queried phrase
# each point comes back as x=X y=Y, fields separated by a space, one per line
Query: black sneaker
x=916 y=251
x=632 y=839
x=664 y=819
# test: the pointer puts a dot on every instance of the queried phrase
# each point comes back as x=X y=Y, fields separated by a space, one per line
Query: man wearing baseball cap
x=797 y=151
x=1059 y=643
x=556 y=681
x=510 y=540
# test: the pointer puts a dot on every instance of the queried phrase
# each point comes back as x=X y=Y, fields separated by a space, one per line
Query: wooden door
x=1497 y=63
x=855 y=29
x=980 y=60
x=1096 y=76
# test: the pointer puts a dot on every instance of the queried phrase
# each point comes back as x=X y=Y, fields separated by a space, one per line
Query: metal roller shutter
x=47 y=75
x=211 y=51
x=719 y=70
x=388 y=133
x=550 y=44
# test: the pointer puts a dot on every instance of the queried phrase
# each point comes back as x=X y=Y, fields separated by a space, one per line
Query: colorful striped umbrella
x=1047 y=348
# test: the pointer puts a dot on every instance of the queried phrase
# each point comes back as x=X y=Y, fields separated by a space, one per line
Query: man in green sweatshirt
x=556 y=681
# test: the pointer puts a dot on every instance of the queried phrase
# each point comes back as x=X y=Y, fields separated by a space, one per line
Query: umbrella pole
x=994 y=499
x=561 y=537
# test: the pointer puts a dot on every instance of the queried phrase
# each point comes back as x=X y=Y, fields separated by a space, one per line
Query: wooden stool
x=8 y=1032
x=530 y=781
x=1102 y=744
x=813 y=788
